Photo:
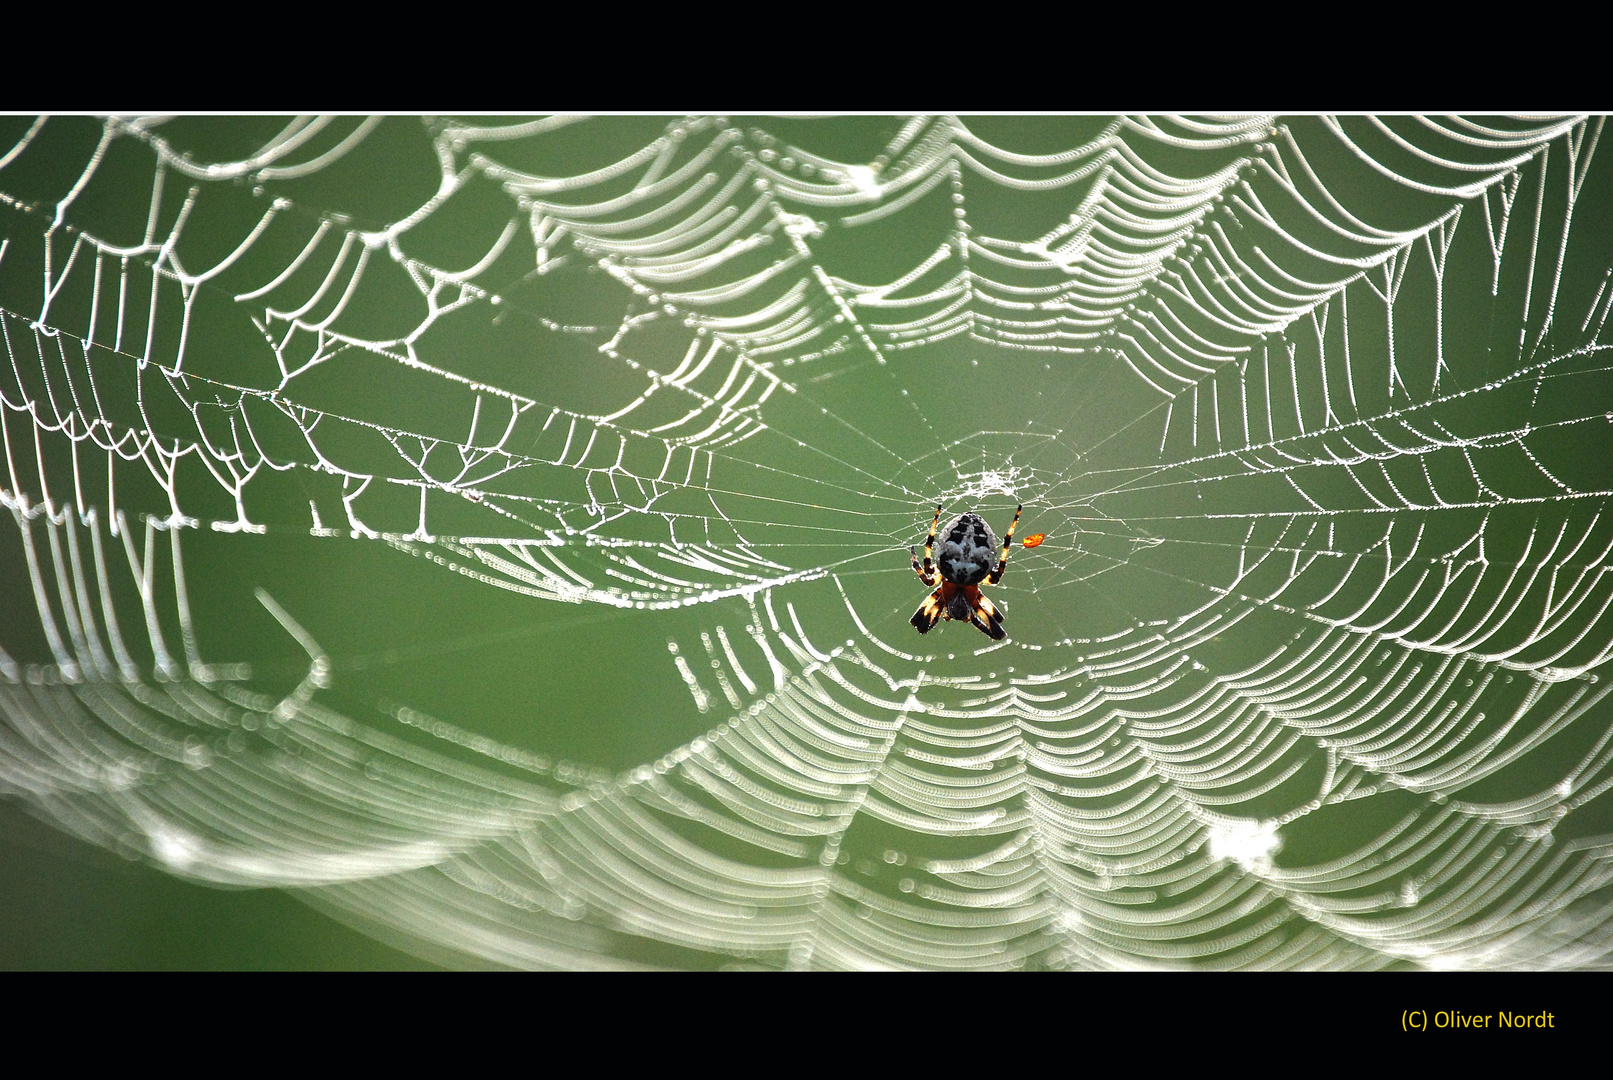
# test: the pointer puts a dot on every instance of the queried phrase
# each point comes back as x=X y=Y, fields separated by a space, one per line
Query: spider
x=964 y=561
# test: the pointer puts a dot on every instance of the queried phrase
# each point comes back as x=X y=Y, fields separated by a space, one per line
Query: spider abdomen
x=966 y=550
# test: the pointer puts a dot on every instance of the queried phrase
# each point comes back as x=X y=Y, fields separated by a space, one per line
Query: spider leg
x=928 y=574
x=928 y=579
x=1008 y=541
x=929 y=612
x=987 y=617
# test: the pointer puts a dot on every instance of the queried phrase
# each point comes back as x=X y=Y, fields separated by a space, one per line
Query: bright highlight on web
x=1302 y=664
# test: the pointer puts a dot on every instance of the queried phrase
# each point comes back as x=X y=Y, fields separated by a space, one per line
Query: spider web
x=1313 y=412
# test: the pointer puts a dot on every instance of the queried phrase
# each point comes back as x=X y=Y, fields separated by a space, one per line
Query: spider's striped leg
x=1008 y=541
x=986 y=616
x=928 y=574
x=927 y=578
x=930 y=612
